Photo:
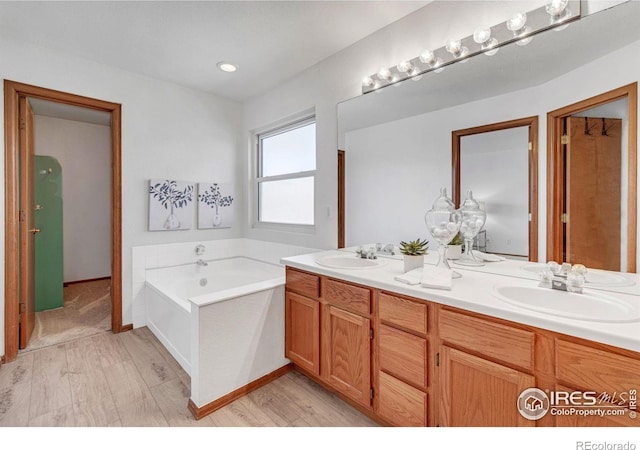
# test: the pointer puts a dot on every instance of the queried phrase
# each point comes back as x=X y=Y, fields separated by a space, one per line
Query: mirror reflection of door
x=594 y=226
x=498 y=164
x=591 y=181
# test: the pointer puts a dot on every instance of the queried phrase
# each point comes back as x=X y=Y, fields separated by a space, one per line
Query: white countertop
x=474 y=292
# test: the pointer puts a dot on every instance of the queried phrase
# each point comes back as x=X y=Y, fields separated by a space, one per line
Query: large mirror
x=398 y=140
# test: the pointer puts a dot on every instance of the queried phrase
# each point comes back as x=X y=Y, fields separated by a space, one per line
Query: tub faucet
x=200 y=262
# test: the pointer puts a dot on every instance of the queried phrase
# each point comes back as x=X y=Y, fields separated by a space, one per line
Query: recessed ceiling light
x=227 y=66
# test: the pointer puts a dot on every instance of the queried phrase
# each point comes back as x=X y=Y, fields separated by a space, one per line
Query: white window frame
x=258 y=178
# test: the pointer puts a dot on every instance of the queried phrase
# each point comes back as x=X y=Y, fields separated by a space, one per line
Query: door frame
x=12 y=91
x=555 y=169
x=532 y=123
x=341 y=197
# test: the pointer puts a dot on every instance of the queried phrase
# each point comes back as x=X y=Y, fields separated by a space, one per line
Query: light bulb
x=384 y=74
x=367 y=81
x=482 y=35
x=517 y=22
x=427 y=57
x=555 y=8
x=404 y=66
x=454 y=47
x=491 y=47
x=415 y=74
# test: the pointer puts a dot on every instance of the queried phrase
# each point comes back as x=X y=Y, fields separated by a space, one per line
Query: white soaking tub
x=223 y=322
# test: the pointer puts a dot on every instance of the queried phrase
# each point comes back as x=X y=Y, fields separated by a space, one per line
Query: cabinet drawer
x=352 y=298
x=596 y=370
x=403 y=313
x=493 y=340
x=303 y=283
x=403 y=355
x=400 y=404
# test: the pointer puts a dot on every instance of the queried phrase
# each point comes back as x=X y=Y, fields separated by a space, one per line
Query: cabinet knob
x=35 y=230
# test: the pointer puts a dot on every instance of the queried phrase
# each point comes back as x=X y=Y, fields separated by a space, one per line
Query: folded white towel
x=412 y=277
x=488 y=256
x=437 y=278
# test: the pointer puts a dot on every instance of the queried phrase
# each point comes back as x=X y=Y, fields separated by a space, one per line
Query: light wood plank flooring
x=129 y=379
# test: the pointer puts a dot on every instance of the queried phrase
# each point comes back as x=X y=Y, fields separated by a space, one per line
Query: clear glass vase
x=443 y=222
x=473 y=219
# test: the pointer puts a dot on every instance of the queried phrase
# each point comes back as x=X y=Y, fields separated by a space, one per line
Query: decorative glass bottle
x=443 y=222
x=473 y=219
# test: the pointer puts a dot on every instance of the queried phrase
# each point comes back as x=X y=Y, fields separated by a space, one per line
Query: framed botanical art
x=215 y=205
x=170 y=205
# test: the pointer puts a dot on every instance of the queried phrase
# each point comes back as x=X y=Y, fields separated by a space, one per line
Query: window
x=286 y=174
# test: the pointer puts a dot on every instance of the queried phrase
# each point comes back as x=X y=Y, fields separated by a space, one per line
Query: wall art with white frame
x=170 y=204
x=215 y=205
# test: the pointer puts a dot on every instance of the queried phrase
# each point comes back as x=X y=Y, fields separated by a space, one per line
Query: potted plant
x=454 y=250
x=413 y=252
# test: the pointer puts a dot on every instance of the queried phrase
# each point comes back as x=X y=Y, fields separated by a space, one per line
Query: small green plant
x=457 y=240
x=417 y=247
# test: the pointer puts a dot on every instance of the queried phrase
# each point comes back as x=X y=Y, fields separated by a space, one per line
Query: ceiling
x=69 y=112
x=182 y=41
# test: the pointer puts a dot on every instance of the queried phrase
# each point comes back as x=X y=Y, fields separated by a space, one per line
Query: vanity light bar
x=519 y=29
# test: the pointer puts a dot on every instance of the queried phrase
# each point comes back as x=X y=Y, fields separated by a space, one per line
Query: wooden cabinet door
x=479 y=393
x=346 y=340
x=303 y=332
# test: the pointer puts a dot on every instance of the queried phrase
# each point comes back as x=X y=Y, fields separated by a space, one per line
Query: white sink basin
x=595 y=278
x=349 y=262
x=589 y=306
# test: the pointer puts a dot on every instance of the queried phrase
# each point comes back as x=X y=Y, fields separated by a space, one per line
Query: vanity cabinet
x=302 y=320
x=613 y=378
x=484 y=366
x=401 y=390
x=476 y=392
x=410 y=362
x=346 y=339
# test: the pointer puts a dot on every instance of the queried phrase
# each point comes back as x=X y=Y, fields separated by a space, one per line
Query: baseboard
x=69 y=283
x=200 y=412
x=127 y=327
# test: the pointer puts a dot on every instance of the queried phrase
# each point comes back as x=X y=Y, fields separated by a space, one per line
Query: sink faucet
x=366 y=254
x=563 y=277
x=200 y=262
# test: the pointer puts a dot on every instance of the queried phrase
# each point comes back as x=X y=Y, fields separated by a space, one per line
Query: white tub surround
x=474 y=292
x=175 y=295
x=222 y=319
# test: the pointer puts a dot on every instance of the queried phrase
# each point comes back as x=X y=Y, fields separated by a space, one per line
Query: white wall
x=421 y=160
x=84 y=152
x=501 y=156
x=167 y=131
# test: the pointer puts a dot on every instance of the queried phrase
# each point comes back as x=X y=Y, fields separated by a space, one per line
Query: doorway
x=591 y=183
x=20 y=208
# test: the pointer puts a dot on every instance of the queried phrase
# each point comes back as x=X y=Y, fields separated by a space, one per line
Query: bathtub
x=223 y=322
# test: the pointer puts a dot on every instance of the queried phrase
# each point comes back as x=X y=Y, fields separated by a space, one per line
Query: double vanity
x=413 y=356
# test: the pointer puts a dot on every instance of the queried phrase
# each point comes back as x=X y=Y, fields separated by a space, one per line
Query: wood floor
x=130 y=380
